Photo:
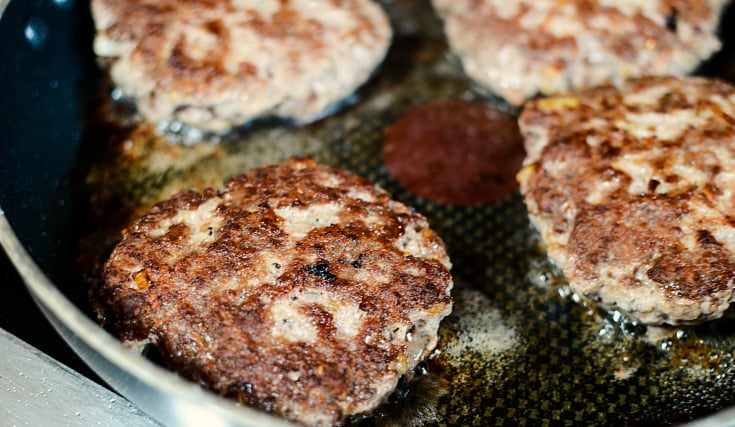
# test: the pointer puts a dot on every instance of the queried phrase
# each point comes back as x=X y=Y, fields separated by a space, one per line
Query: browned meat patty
x=633 y=192
x=300 y=290
x=521 y=48
x=455 y=152
x=214 y=65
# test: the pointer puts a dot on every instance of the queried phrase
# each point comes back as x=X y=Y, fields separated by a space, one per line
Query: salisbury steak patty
x=520 y=48
x=300 y=290
x=633 y=191
x=217 y=64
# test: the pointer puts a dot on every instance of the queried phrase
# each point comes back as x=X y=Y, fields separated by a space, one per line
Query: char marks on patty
x=520 y=48
x=214 y=65
x=300 y=290
x=633 y=192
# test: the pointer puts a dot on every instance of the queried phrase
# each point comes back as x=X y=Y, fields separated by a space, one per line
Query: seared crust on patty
x=218 y=64
x=521 y=48
x=300 y=290
x=633 y=192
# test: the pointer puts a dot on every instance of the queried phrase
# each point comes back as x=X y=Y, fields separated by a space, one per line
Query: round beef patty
x=520 y=48
x=633 y=192
x=214 y=65
x=300 y=290
x=455 y=152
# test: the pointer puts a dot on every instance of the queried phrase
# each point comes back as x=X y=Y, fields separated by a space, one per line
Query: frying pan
x=47 y=77
x=48 y=80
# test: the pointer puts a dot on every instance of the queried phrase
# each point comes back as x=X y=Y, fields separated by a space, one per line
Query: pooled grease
x=519 y=348
x=480 y=329
x=476 y=345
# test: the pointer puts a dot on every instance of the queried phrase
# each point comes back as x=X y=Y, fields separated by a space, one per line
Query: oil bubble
x=36 y=33
x=63 y=4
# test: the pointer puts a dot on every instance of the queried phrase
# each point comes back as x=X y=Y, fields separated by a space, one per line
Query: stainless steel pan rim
x=160 y=393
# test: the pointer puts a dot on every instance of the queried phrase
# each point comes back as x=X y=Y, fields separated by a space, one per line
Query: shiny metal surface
x=36 y=389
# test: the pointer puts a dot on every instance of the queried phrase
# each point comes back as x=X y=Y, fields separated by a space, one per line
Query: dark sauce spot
x=653 y=185
x=455 y=152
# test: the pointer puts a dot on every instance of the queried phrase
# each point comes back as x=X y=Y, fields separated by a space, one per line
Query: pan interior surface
x=49 y=78
x=519 y=349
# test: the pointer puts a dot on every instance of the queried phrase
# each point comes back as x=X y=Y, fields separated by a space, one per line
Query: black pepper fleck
x=321 y=270
x=671 y=20
x=358 y=262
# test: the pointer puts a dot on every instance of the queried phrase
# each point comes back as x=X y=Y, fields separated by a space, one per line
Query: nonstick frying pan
x=47 y=79
x=48 y=84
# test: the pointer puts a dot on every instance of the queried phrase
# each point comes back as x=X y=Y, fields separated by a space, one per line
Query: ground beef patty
x=520 y=48
x=213 y=65
x=633 y=192
x=300 y=290
x=455 y=152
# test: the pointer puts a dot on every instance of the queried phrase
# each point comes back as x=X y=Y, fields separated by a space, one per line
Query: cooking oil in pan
x=519 y=348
